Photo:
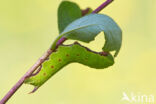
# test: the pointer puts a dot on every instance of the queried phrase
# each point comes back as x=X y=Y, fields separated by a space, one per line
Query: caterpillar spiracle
x=66 y=54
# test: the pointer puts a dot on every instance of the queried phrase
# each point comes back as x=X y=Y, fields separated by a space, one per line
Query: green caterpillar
x=65 y=55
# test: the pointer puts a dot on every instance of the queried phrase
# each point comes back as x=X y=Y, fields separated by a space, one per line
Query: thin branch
x=21 y=81
x=41 y=60
x=85 y=11
x=29 y=73
x=59 y=42
x=97 y=10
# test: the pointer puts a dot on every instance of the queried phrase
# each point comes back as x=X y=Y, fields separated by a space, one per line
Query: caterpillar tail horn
x=34 y=90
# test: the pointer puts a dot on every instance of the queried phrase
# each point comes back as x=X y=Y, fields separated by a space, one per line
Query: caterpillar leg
x=33 y=74
x=101 y=53
x=38 y=70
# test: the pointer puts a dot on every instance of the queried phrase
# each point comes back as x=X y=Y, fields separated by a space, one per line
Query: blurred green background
x=28 y=27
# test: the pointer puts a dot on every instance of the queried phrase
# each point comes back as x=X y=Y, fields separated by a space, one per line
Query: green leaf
x=88 y=27
x=67 y=13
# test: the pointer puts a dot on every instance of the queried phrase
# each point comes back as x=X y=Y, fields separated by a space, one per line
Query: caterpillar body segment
x=65 y=55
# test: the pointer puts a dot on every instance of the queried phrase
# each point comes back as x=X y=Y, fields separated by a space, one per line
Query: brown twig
x=85 y=11
x=97 y=10
x=40 y=61
x=29 y=73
